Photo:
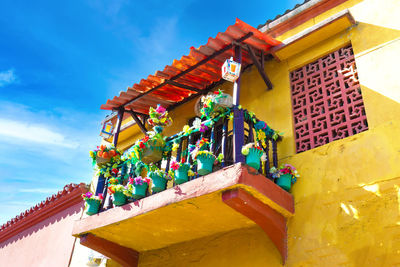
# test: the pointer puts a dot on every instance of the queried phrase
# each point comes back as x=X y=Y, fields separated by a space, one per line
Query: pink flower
x=131 y=181
x=203 y=128
x=100 y=195
x=160 y=109
x=138 y=180
x=174 y=165
x=88 y=195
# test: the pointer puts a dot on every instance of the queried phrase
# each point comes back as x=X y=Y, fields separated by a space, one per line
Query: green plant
x=285 y=169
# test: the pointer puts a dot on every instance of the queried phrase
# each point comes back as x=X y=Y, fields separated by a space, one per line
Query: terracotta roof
x=70 y=195
x=193 y=74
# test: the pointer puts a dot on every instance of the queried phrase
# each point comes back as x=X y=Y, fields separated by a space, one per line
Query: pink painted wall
x=48 y=243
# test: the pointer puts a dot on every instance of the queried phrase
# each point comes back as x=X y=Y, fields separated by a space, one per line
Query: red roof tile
x=68 y=191
x=163 y=87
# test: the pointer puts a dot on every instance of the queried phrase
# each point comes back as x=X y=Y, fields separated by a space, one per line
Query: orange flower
x=105 y=155
x=99 y=154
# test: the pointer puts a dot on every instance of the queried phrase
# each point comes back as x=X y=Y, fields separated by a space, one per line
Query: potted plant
x=205 y=159
x=285 y=176
x=104 y=154
x=137 y=187
x=92 y=202
x=158 y=177
x=180 y=171
x=253 y=155
x=117 y=192
x=149 y=149
x=159 y=118
x=215 y=104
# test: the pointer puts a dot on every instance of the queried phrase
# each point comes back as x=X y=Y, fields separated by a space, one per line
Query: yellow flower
x=186 y=129
x=91 y=153
x=231 y=116
x=175 y=147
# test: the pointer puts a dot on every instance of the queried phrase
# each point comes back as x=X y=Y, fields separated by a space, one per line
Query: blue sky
x=60 y=60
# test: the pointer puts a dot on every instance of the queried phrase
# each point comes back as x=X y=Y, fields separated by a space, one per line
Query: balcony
x=228 y=195
x=233 y=196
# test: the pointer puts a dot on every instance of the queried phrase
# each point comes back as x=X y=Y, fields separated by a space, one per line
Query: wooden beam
x=236 y=85
x=119 y=122
x=272 y=222
x=184 y=86
x=260 y=67
x=123 y=255
x=138 y=122
x=215 y=54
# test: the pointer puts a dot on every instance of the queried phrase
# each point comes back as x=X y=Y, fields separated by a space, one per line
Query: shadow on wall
x=357 y=226
x=73 y=211
x=376 y=51
x=348 y=202
x=378 y=107
x=246 y=247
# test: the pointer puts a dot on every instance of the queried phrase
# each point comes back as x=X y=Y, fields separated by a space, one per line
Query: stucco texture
x=347 y=201
x=47 y=243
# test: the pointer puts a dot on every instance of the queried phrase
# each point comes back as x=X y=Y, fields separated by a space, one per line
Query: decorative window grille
x=327 y=101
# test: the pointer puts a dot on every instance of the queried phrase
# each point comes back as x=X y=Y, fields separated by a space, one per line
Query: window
x=327 y=101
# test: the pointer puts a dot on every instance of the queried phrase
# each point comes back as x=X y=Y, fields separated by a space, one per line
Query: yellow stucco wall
x=348 y=199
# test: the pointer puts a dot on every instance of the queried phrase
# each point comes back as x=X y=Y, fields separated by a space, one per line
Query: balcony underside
x=232 y=198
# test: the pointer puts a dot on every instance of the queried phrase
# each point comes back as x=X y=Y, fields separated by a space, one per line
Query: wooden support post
x=238 y=118
x=274 y=153
x=272 y=222
x=236 y=85
x=224 y=141
x=238 y=135
x=212 y=139
x=144 y=118
x=260 y=67
x=119 y=122
x=190 y=142
x=179 y=151
x=125 y=256
x=138 y=122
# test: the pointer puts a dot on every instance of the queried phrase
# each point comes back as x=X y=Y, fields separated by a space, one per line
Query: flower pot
x=285 y=181
x=253 y=158
x=102 y=161
x=181 y=174
x=92 y=206
x=153 y=153
x=205 y=164
x=139 y=191
x=119 y=199
x=159 y=183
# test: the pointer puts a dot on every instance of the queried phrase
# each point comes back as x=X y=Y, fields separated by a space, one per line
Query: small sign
x=231 y=70
x=107 y=130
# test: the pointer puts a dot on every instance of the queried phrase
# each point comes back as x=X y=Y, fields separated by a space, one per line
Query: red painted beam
x=273 y=223
x=123 y=255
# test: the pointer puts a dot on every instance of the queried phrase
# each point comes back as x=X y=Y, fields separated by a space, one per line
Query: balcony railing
x=227 y=133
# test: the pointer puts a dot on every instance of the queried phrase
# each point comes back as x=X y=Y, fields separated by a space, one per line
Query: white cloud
x=39 y=190
x=161 y=38
x=7 y=77
x=32 y=132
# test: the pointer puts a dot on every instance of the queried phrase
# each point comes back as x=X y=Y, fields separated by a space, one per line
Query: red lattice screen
x=327 y=101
